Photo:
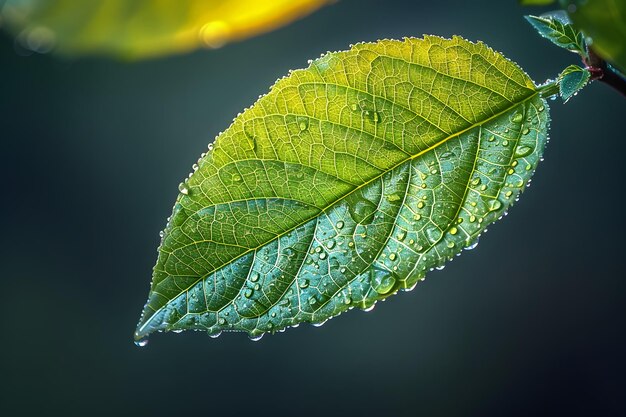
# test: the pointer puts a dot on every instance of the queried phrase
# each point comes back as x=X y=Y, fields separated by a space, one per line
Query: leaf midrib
x=535 y=92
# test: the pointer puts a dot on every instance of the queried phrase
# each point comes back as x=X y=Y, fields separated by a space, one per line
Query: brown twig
x=603 y=72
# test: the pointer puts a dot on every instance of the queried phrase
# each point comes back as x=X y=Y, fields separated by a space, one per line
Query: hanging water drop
x=255 y=338
x=182 y=187
x=141 y=342
x=472 y=245
x=215 y=334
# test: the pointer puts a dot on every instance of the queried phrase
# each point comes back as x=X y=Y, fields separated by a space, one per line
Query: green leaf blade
x=572 y=80
x=347 y=182
x=556 y=28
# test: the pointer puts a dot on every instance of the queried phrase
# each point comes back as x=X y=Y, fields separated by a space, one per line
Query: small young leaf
x=557 y=29
x=572 y=80
x=347 y=182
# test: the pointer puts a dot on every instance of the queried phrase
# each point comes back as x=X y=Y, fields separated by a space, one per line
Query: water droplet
x=472 y=218
x=339 y=224
x=182 y=187
x=382 y=280
x=392 y=256
x=447 y=155
x=494 y=205
x=525 y=131
x=453 y=231
x=476 y=181
x=505 y=142
x=450 y=244
x=312 y=300
x=354 y=107
x=141 y=342
x=255 y=338
x=440 y=267
x=303 y=123
x=194 y=167
x=508 y=194
x=472 y=245
x=236 y=177
x=254 y=277
x=362 y=211
x=304 y=283
x=420 y=205
x=215 y=334
x=372 y=115
x=221 y=321
x=161 y=233
x=491 y=138
x=248 y=292
x=511 y=171
x=330 y=244
x=393 y=197
x=522 y=151
x=401 y=235
x=517 y=117
x=417 y=216
x=323 y=255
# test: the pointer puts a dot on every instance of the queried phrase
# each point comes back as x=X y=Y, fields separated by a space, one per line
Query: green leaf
x=604 y=22
x=536 y=2
x=347 y=182
x=557 y=29
x=143 y=28
x=572 y=80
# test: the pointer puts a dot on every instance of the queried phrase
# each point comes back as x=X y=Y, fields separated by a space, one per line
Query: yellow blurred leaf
x=143 y=28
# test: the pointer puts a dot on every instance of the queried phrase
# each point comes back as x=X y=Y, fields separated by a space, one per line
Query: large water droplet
x=382 y=280
x=182 y=187
x=517 y=117
x=215 y=334
x=522 y=151
x=362 y=211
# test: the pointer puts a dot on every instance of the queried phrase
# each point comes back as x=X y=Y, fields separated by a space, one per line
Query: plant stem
x=602 y=71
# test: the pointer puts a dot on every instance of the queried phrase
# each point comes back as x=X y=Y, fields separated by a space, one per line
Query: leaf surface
x=143 y=28
x=347 y=182
x=572 y=80
x=557 y=28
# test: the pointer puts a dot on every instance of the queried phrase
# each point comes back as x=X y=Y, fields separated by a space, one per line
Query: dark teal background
x=530 y=323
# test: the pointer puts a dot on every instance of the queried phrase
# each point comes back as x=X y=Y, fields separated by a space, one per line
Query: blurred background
x=532 y=322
